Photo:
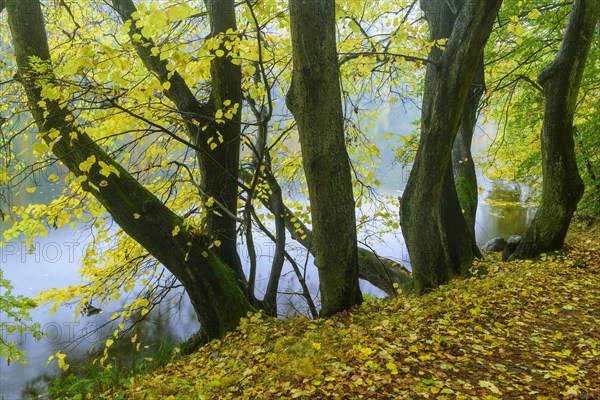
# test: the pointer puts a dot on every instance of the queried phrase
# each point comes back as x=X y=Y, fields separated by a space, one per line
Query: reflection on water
x=84 y=341
x=502 y=210
x=54 y=263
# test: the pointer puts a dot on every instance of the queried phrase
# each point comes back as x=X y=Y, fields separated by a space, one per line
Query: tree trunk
x=270 y=299
x=219 y=166
x=211 y=285
x=315 y=100
x=457 y=235
x=379 y=271
x=462 y=159
x=425 y=217
x=562 y=186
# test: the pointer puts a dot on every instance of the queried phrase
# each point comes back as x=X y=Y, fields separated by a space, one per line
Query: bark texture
x=429 y=207
x=379 y=271
x=462 y=160
x=315 y=100
x=219 y=166
x=211 y=284
x=562 y=186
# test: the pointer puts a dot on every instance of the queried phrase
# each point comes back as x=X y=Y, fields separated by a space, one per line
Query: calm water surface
x=55 y=261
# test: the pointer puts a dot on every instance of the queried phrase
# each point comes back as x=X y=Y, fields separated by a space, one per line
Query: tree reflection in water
x=504 y=209
x=168 y=324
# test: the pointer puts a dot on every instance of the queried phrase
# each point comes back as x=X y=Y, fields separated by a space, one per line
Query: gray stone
x=495 y=244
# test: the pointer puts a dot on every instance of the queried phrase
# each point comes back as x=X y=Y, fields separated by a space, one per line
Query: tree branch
x=215 y=293
x=380 y=271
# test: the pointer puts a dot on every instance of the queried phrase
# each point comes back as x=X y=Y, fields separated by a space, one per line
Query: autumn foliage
x=522 y=330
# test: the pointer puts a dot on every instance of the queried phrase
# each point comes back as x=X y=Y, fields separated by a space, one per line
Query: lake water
x=55 y=261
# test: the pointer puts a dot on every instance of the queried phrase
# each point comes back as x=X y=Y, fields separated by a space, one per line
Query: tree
x=562 y=186
x=219 y=164
x=463 y=164
x=430 y=211
x=525 y=40
x=211 y=284
x=149 y=129
x=384 y=273
x=315 y=100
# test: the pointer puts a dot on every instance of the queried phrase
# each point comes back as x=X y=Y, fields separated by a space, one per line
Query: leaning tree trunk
x=315 y=100
x=562 y=186
x=219 y=165
x=211 y=285
x=448 y=79
x=462 y=159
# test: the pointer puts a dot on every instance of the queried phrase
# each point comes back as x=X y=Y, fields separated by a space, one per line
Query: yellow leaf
x=40 y=148
x=136 y=216
x=534 y=14
x=62 y=364
x=489 y=385
x=392 y=367
x=109 y=342
x=166 y=85
x=53 y=178
x=366 y=351
x=31 y=189
x=86 y=165
x=179 y=12
x=317 y=346
x=144 y=311
x=175 y=230
x=49 y=359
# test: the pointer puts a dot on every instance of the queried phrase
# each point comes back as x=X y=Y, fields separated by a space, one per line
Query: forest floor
x=516 y=330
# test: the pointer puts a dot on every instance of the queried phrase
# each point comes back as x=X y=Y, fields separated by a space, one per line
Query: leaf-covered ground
x=519 y=330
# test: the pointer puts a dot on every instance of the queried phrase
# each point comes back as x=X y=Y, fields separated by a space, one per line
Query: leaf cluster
x=522 y=44
x=14 y=320
x=522 y=329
